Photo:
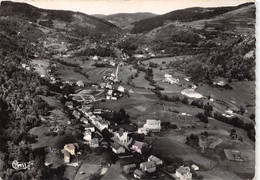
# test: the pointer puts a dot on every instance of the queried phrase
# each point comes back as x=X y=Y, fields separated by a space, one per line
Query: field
x=70 y=75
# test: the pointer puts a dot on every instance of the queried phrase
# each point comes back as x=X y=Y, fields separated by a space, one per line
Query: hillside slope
x=124 y=20
x=184 y=15
x=77 y=23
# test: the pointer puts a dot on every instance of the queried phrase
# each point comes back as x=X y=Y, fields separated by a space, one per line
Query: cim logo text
x=21 y=165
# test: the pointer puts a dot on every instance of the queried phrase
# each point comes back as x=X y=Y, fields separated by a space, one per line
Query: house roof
x=139 y=144
x=70 y=146
x=153 y=158
x=128 y=166
x=138 y=172
x=87 y=131
x=65 y=152
x=116 y=146
x=148 y=164
x=152 y=121
x=94 y=141
x=183 y=170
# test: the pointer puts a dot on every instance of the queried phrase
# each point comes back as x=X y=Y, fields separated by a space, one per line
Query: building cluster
x=169 y=79
x=151 y=125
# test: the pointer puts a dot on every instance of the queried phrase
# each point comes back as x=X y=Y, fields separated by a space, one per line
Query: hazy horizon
x=107 y=7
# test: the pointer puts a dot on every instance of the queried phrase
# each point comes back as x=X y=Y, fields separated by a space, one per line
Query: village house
x=76 y=114
x=89 y=127
x=69 y=104
x=121 y=89
x=195 y=167
x=70 y=148
x=138 y=174
x=94 y=143
x=148 y=166
x=183 y=173
x=101 y=124
x=102 y=85
x=95 y=58
x=129 y=168
x=137 y=146
x=80 y=83
x=67 y=151
x=87 y=135
x=143 y=130
x=97 y=111
x=66 y=156
x=116 y=148
x=169 y=79
x=156 y=160
x=84 y=120
x=153 y=125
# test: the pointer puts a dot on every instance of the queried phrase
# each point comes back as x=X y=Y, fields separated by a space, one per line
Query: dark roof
x=138 y=172
x=115 y=145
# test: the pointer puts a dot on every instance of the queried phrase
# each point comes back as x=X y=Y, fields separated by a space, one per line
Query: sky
x=128 y=6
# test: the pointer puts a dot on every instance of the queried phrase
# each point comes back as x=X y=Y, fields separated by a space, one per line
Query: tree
x=242 y=110
x=203 y=117
x=252 y=116
x=185 y=100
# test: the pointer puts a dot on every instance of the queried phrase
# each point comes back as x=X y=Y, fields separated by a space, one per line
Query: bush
x=202 y=117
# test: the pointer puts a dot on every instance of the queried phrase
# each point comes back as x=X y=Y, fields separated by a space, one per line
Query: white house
x=170 y=79
x=148 y=166
x=87 y=135
x=153 y=125
x=80 y=83
x=90 y=127
x=156 y=160
x=95 y=58
x=183 y=173
x=94 y=143
x=101 y=124
x=143 y=130
x=195 y=167
x=113 y=98
x=121 y=89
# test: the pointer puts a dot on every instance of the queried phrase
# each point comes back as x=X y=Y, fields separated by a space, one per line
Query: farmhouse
x=76 y=114
x=66 y=156
x=80 y=83
x=121 y=89
x=138 y=174
x=116 y=148
x=69 y=149
x=233 y=155
x=195 y=167
x=156 y=160
x=89 y=127
x=143 y=130
x=87 y=135
x=169 y=79
x=94 y=143
x=153 y=125
x=102 y=124
x=183 y=173
x=69 y=104
x=129 y=168
x=137 y=146
x=148 y=166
